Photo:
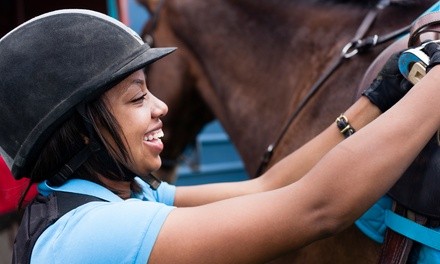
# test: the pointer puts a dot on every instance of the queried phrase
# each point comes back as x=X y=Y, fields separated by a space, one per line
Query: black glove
x=389 y=86
x=432 y=49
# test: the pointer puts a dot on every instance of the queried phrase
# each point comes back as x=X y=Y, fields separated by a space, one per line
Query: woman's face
x=137 y=111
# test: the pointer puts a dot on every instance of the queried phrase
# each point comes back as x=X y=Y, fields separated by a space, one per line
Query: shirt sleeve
x=102 y=232
x=164 y=194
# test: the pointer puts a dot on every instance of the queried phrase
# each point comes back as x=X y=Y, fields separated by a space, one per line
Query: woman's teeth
x=154 y=135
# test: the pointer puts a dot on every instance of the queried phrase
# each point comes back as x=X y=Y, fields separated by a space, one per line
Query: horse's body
x=249 y=63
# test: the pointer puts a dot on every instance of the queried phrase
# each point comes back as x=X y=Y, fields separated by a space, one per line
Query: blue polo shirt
x=118 y=231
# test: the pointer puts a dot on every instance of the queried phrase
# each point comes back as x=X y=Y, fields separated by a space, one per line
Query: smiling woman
x=88 y=131
x=137 y=112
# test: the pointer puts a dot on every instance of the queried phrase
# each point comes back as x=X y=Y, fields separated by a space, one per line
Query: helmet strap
x=71 y=166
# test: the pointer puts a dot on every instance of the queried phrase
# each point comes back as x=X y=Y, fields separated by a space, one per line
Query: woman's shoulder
x=95 y=229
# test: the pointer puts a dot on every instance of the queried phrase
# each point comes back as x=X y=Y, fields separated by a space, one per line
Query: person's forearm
x=288 y=170
x=297 y=164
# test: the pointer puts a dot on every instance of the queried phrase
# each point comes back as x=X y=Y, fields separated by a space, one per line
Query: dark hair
x=73 y=136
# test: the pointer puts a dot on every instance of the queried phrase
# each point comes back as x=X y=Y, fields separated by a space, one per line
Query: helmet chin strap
x=95 y=146
x=72 y=165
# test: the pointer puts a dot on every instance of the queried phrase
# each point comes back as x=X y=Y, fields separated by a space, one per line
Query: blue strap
x=412 y=230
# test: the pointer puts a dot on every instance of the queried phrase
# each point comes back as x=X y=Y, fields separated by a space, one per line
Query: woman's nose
x=159 y=108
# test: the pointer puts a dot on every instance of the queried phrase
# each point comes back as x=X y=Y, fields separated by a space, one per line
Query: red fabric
x=11 y=190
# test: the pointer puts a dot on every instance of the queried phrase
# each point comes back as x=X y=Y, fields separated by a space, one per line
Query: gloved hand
x=389 y=86
x=432 y=49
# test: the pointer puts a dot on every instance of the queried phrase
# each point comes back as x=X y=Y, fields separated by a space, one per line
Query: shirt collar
x=82 y=187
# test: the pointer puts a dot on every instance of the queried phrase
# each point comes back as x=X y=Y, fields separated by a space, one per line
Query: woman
x=77 y=118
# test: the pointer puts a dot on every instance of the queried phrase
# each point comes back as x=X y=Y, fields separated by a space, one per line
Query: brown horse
x=249 y=63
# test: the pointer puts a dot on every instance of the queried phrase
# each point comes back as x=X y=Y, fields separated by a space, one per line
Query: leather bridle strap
x=357 y=45
x=369 y=19
x=151 y=26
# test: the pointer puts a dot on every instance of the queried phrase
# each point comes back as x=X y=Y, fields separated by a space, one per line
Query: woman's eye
x=140 y=99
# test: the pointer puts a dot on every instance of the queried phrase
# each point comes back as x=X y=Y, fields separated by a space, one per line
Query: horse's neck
x=282 y=46
x=266 y=49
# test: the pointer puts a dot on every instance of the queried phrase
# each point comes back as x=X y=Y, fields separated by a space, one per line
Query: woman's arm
x=388 y=87
x=345 y=182
x=288 y=170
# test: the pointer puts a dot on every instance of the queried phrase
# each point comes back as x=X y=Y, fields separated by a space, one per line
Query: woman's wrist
x=359 y=115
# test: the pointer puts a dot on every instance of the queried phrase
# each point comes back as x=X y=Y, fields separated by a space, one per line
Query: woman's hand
x=432 y=49
x=389 y=86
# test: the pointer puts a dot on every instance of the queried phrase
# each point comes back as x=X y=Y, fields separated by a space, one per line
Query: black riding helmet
x=51 y=64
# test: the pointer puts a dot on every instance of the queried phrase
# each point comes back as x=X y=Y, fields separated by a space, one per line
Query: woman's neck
x=121 y=188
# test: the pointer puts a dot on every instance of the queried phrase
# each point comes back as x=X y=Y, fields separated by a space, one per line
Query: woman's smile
x=153 y=140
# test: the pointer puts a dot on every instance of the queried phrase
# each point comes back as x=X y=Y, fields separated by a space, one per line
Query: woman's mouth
x=154 y=135
x=153 y=140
